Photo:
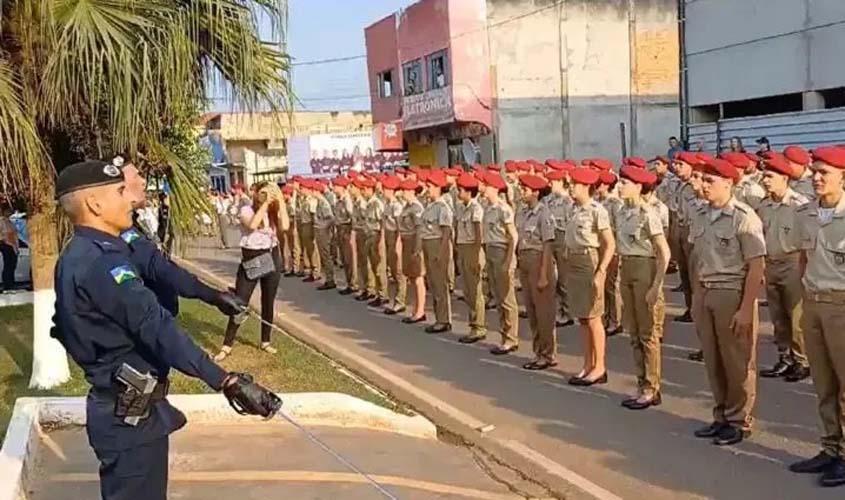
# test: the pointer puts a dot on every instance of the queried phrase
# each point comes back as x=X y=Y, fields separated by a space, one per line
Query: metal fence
x=809 y=129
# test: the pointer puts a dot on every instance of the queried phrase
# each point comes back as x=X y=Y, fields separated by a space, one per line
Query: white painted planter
x=20 y=447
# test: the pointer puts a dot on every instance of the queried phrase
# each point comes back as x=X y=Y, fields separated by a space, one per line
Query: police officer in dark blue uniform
x=166 y=279
x=125 y=342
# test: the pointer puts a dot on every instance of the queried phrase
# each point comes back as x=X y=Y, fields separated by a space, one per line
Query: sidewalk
x=632 y=454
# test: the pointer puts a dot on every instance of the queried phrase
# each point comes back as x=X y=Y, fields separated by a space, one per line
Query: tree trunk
x=49 y=359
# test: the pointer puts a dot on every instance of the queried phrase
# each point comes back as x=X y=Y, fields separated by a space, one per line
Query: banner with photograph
x=335 y=154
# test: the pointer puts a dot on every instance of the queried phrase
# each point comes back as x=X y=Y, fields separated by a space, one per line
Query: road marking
x=576 y=389
x=302 y=476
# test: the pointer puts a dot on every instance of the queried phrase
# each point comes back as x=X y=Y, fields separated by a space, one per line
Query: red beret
x=422 y=174
x=391 y=182
x=637 y=174
x=288 y=189
x=832 y=155
x=320 y=186
x=532 y=161
x=600 y=163
x=510 y=166
x=607 y=177
x=661 y=158
x=437 y=178
x=722 y=168
x=738 y=160
x=494 y=167
x=797 y=154
x=495 y=180
x=704 y=157
x=534 y=182
x=353 y=174
x=341 y=182
x=635 y=161
x=409 y=185
x=401 y=170
x=752 y=157
x=557 y=175
x=586 y=176
x=779 y=163
x=366 y=183
x=453 y=172
x=523 y=167
x=467 y=181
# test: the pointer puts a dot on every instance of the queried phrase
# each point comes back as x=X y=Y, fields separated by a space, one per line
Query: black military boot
x=780 y=369
x=815 y=465
x=834 y=475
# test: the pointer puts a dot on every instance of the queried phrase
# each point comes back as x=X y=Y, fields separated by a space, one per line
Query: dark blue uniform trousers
x=138 y=473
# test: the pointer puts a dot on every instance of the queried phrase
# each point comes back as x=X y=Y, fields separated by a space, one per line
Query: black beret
x=87 y=174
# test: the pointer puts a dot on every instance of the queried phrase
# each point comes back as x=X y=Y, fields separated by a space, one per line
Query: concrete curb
x=561 y=481
x=16 y=299
x=308 y=409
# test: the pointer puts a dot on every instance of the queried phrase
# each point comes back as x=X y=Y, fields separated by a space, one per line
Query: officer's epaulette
x=130 y=236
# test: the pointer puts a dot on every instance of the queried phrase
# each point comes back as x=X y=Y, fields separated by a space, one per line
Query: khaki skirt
x=412 y=263
x=584 y=299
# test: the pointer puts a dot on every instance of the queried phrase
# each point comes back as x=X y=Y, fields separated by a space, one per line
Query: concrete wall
x=383 y=55
x=792 y=46
x=567 y=73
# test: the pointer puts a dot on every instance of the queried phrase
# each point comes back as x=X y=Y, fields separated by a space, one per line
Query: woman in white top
x=261 y=262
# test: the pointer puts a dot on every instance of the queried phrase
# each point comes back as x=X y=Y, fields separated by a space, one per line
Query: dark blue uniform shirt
x=167 y=280
x=106 y=316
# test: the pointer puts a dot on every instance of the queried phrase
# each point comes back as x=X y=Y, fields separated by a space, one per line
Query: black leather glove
x=248 y=398
x=230 y=304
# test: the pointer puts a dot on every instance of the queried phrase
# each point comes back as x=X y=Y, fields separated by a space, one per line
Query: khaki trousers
x=823 y=325
x=375 y=261
x=784 y=293
x=612 y=299
x=559 y=249
x=500 y=278
x=309 y=249
x=470 y=258
x=685 y=267
x=394 y=269
x=324 y=247
x=293 y=243
x=539 y=304
x=731 y=360
x=347 y=256
x=437 y=271
x=642 y=322
x=366 y=282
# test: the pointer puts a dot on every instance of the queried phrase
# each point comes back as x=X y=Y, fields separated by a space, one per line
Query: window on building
x=785 y=103
x=385 y=84
x=834 y=98
x=413 y=77
x=438 y=70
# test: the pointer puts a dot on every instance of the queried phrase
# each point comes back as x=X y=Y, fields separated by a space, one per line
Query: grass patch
x=295 y=368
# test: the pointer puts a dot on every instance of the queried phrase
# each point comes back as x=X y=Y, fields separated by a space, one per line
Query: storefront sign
x=427 y=109
x=388 y=136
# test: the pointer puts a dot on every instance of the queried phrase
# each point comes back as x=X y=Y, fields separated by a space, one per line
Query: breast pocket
x=727 y=244
x=833 y=243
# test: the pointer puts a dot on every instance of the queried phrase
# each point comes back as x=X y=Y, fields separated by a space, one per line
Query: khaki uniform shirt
x=298 y=205
x=436 y=216
x=536 y=226
x=290 y=206
x=497 y=217
x=804 y=185
x=359 y=206
x=636 y=225
x=668 y=189
x=343 y=208
x=823 y=238
x=779 y=223
x=584 y=225
x=662 y=210
x=725 y=239
x=309 y=209
x=324 y=216
x=467 y=216
x=392 y=212
x=411 y=218
x=373 y=215
x=685 y=198
x=559 y=205
x=749 y=191
x=612 y=204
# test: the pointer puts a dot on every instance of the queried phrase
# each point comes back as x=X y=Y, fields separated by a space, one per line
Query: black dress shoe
x=656 y=400
x=563 y=324
x=412 y=321
x=327 y=286
x=696 y=356
x=309 y=279
x=815 y=465
x=710 y=431
x=523 y=313
x=779 y=370
x=377 y=302
x=438 y=328
x=362 y=297
x=472 y=338
x=684 y=318
x=347 y=291
x=797 y=373
x=834 y=475
x=501 y=351
x=729 y=435
x=300 y=274
x=290 y=274
x=625 y=402
x=614 y=332
x=585 y=382
x=393 y=312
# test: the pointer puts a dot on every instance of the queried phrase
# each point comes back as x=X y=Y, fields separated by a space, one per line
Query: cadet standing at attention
x=359 y=228
x=393 y=246
x=343 y=209
x=822 y=227
x=729 y=252
x=683 y=201
x=294 y=206
x=644 y=256
x=801 y=161
x=783 y=274
x=590 y=247
x=536 y=235
x=559 y=204
x=412 y=259
x=306 y=231
x=748 y=190
x=114 y=328
x=469 y=216
x=374 y=241
x=324 y=223
x=612 y=300
x=436 y=235
x=500 y=237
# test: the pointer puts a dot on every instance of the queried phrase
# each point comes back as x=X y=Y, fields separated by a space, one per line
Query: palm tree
x=79 y=78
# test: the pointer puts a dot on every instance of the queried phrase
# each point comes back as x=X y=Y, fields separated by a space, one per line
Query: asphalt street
x=647 y=454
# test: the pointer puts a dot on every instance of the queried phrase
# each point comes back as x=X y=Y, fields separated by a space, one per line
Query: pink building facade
x=429 y=76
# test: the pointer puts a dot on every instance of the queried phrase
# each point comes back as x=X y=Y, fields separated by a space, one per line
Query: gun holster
x=136 y=393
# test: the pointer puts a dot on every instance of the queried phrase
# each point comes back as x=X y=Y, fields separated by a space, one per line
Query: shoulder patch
x=130 y=236
x=122 y=274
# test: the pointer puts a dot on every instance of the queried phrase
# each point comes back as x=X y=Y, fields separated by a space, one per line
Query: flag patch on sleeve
x=130 y=236
x=122 y=274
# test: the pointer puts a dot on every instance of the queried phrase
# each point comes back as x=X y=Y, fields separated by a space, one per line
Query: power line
x=329 y=61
